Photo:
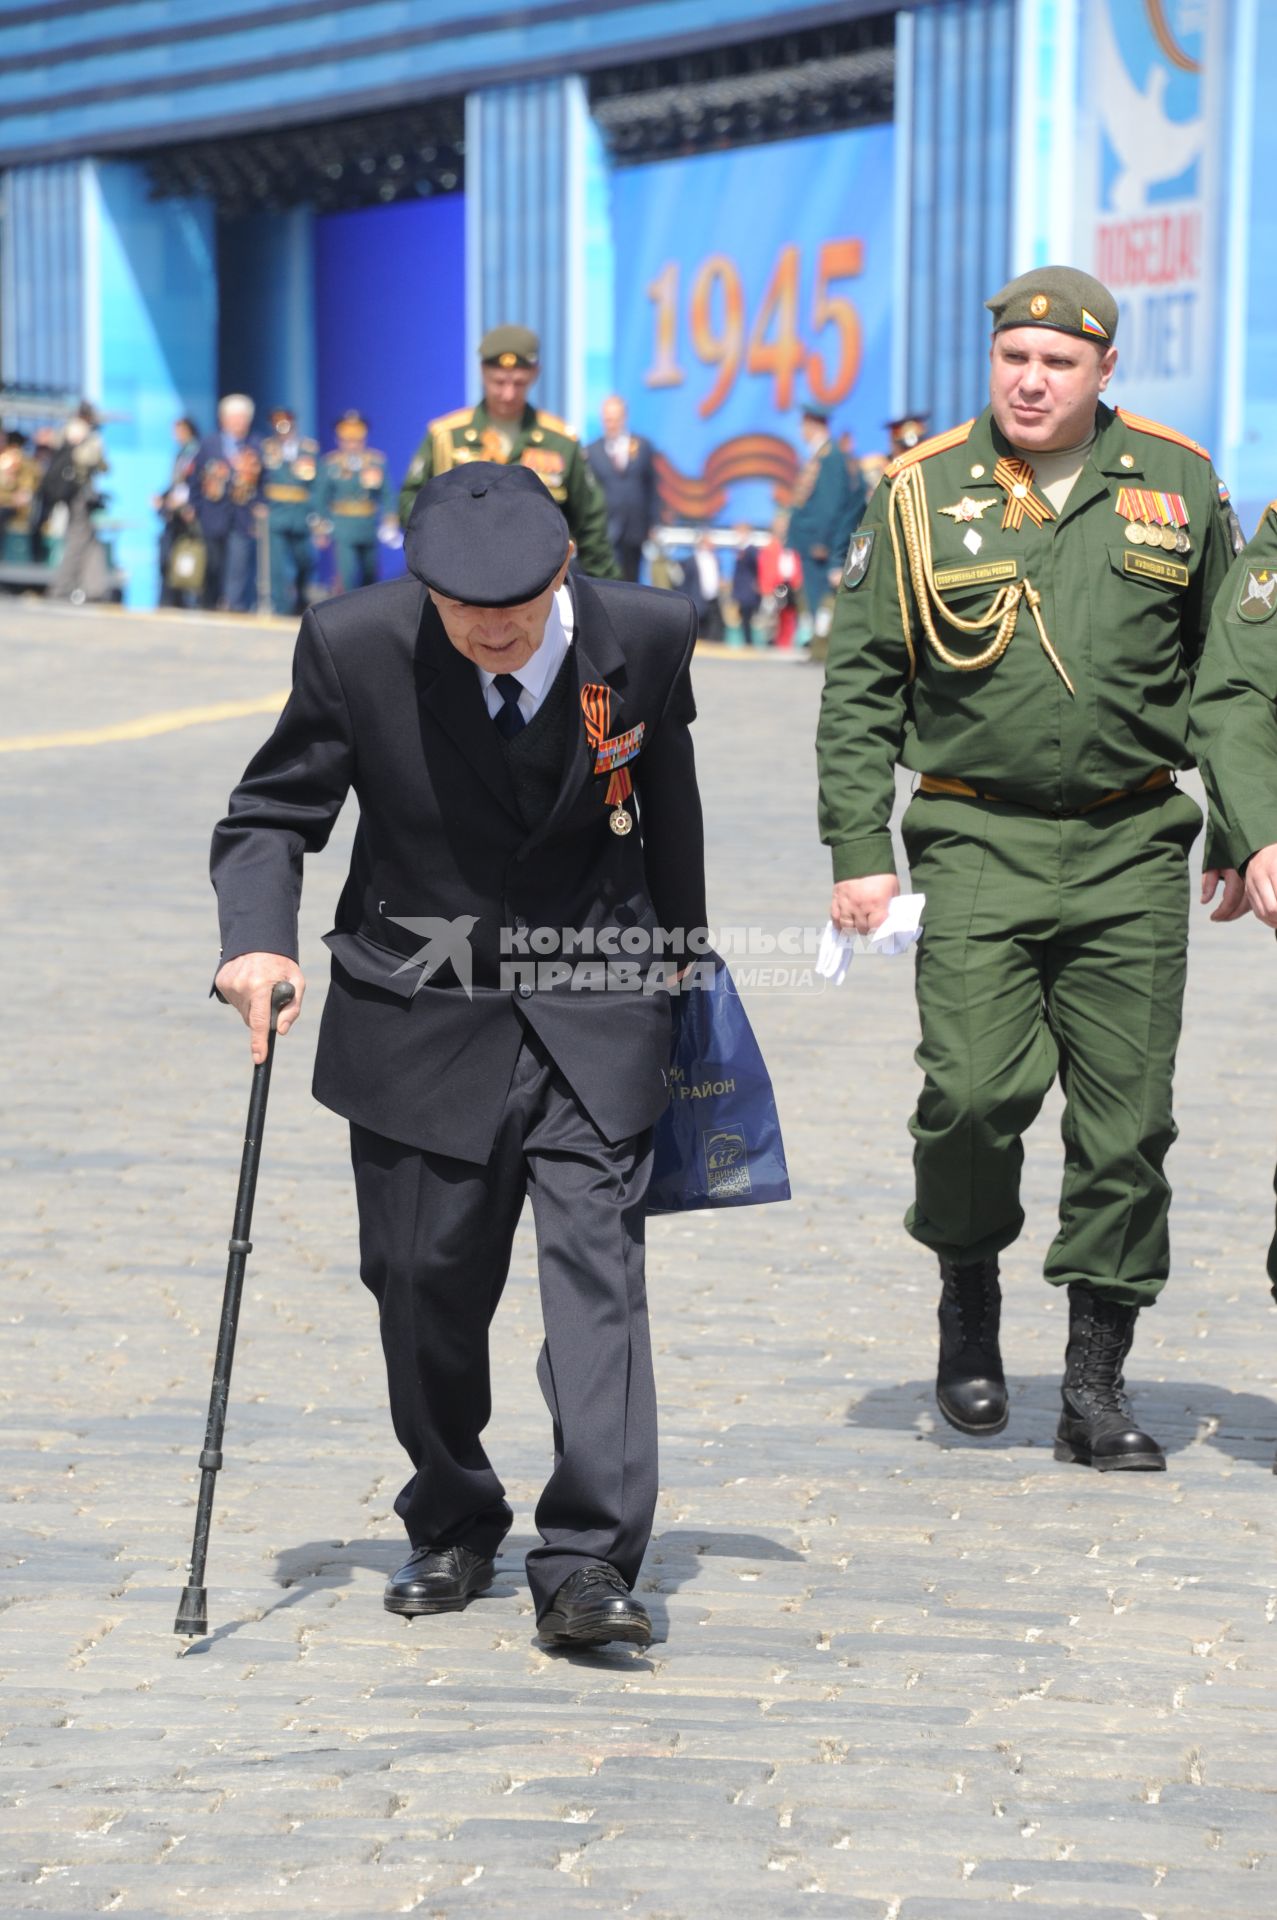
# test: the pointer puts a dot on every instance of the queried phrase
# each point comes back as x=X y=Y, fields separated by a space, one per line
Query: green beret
x=1063 y=298
x=510 y=347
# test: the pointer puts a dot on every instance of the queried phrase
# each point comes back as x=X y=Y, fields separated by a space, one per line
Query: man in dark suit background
x=519 y=746
x=622 y=464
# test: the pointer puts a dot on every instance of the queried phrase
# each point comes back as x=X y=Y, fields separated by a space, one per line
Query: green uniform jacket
x=288 y=486
x=544 y=443
x=1234 y=712
x=1128 y=622
x=353 y=492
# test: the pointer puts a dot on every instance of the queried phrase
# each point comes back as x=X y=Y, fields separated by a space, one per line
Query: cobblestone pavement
x=899 y=1675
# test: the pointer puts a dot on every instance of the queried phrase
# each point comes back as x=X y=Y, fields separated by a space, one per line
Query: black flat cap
x=486 y=534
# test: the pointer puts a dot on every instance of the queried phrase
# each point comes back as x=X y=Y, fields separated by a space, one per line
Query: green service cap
x=1064 y=298
x=510 y=347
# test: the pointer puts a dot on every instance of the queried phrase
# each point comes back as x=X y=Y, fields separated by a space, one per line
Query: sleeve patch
x=1257 y=599
x=857 y=565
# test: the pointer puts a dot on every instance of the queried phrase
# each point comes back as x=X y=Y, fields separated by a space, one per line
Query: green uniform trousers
x=1050 y=946
x=292 y=562
x=355 y=556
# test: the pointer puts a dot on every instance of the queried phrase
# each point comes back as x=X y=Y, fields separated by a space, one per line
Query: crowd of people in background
x=49 y=494
x=251 y=521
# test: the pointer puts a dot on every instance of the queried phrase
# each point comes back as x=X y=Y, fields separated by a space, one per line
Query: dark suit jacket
x=632 y=505
x=383 y=704
x=219 y=517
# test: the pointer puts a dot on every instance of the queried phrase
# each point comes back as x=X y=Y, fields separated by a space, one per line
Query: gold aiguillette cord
x=910 y=527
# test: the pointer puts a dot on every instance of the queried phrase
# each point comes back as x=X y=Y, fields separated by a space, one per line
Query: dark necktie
x=509 y=720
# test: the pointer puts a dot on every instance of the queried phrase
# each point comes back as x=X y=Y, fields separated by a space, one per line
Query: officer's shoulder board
x=448 y=422
x=372 y=453
x=938 y=443
x=308 y=446
x=552 y=423
x=333 y=455
x=1138 y=424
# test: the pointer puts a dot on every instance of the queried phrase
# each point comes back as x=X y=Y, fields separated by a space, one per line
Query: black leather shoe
x=593 y=1607
x=1097 y=1424
x=971 y=1389
x=438 y=1582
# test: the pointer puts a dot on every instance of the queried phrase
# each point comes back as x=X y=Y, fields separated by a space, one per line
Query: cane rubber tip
x=192 y=1612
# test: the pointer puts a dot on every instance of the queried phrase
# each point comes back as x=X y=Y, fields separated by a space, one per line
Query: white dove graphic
x=446 y=940
x=1149 y=145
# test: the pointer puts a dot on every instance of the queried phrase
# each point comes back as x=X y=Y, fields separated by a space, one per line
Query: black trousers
x=435 y=1237
x=629 y=557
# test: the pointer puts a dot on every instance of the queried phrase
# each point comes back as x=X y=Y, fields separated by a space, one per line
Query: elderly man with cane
x=519 y=746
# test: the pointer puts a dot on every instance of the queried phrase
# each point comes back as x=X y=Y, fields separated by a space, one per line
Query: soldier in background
x=505 y=427
x=906 y=433
x=352 y=502
x=290 y=465
x=823 y=516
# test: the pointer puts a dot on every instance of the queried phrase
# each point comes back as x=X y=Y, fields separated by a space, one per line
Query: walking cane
x=192 y=1608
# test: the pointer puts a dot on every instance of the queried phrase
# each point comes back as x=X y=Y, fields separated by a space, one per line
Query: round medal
x=620 y=821
x=1182 y=542
x=1135 y=532
x=1167 y=537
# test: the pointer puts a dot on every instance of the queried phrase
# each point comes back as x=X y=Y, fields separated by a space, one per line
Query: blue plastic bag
x=718 y=1142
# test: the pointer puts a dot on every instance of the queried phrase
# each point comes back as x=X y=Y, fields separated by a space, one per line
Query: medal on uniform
x=1154 y=519
x=1017 y=477
x=612 y=756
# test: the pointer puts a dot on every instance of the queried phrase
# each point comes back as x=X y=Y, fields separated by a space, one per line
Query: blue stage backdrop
x=745 y=282
x=390 y=323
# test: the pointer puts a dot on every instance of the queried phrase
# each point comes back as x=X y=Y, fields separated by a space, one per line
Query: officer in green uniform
x=289 y=468
x=352 y=500
x=1234 y=726
x=507 y=428
x=1021 y=613
x=823 y=516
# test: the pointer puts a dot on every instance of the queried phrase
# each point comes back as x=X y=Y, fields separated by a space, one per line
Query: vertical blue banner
x=747 y=282
x=1149 y=200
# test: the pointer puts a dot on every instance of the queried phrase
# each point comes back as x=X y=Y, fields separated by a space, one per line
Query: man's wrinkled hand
x=246 y=983
x=1234 y=901
x=858 y=906
x=1261 y=885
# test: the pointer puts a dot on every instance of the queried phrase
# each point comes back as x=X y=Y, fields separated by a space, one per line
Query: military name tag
x=1258 y=597
x=858 y=558
x=1173 y=573
x=617 y=752
x=985 y=572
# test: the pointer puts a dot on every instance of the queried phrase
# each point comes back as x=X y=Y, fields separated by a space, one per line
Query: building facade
x=717 y=208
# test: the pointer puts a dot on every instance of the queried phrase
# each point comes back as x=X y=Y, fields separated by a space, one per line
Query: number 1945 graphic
x=775 y=345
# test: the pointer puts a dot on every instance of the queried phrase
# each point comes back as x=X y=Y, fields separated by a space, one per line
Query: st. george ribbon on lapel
x=610 y=756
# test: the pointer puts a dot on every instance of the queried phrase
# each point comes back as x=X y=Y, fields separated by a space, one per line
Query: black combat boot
x=1097 y=1427
x=971 y=1389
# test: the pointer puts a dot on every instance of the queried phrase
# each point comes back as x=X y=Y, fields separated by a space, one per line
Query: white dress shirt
x=536 y=675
